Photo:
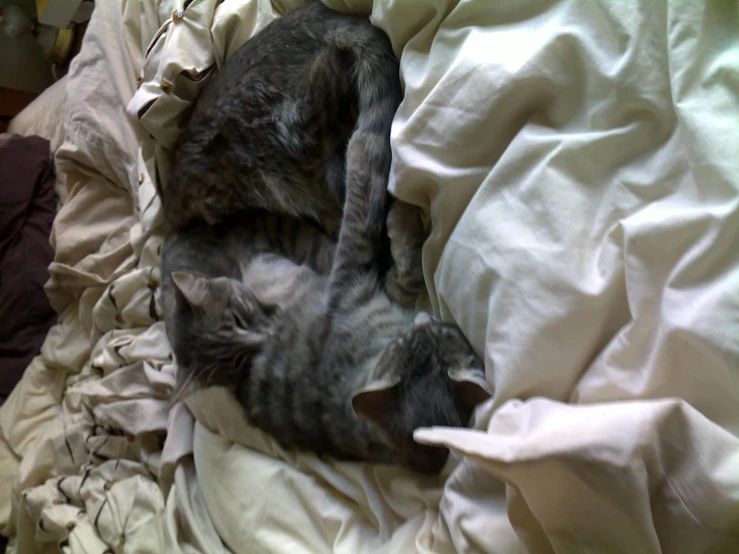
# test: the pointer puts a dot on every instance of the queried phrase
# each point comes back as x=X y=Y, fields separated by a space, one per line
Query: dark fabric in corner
x=27 y=210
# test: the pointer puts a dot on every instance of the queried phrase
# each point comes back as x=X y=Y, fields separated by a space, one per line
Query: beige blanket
x=44 y=117
x=578 y=164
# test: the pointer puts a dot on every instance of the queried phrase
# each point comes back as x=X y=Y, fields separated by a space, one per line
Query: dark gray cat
x=271 y=129
x=298 y=123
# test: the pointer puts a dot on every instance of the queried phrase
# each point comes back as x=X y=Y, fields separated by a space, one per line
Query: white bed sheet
x=578 y=166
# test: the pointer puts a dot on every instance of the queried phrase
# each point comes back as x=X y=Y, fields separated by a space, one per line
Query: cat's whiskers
x=179 y=392
x=210 y=370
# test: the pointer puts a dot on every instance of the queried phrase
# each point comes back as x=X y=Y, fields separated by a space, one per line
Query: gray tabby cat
x=298 y=123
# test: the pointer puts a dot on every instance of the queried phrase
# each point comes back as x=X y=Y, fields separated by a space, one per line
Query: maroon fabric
x=27 y=210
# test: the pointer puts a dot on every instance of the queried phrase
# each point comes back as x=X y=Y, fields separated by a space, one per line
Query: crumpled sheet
x=44 y=116
x=577 y=162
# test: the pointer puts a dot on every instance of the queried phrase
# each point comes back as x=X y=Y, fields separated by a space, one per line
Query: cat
x=297 y=124
x=271 y=129
x=341 y=369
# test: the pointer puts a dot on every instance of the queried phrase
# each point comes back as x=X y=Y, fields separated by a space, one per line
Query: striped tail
x=377 y=81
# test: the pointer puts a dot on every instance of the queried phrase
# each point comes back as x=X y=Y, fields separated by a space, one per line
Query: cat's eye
x=240 y=322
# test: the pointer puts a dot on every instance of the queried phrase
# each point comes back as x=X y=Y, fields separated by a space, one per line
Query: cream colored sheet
x=44 y=117
x=578 y=164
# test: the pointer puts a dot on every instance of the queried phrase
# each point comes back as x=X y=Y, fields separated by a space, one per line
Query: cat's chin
x=430 y=462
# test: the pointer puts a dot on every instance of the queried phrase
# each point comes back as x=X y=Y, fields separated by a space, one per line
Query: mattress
x=577 y=165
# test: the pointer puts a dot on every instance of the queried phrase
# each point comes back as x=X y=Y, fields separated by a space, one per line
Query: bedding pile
x=578 y=166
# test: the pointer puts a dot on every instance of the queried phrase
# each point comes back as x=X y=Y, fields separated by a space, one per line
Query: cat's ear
x=376 y=401
x=471 y=384
x=190 y=290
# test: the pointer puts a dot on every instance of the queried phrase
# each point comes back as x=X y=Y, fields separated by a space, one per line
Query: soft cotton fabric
x=44 y=117
x=577 y=164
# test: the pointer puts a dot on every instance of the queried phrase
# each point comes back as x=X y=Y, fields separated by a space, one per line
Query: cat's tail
x=377 y=82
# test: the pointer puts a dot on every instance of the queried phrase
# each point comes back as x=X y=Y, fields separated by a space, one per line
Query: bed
x=577 y=163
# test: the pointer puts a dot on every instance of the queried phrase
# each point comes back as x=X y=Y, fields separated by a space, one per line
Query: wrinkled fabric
x=577 y=165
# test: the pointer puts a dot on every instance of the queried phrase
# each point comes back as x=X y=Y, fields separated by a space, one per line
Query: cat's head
x=430 y=376
x=218 y=326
